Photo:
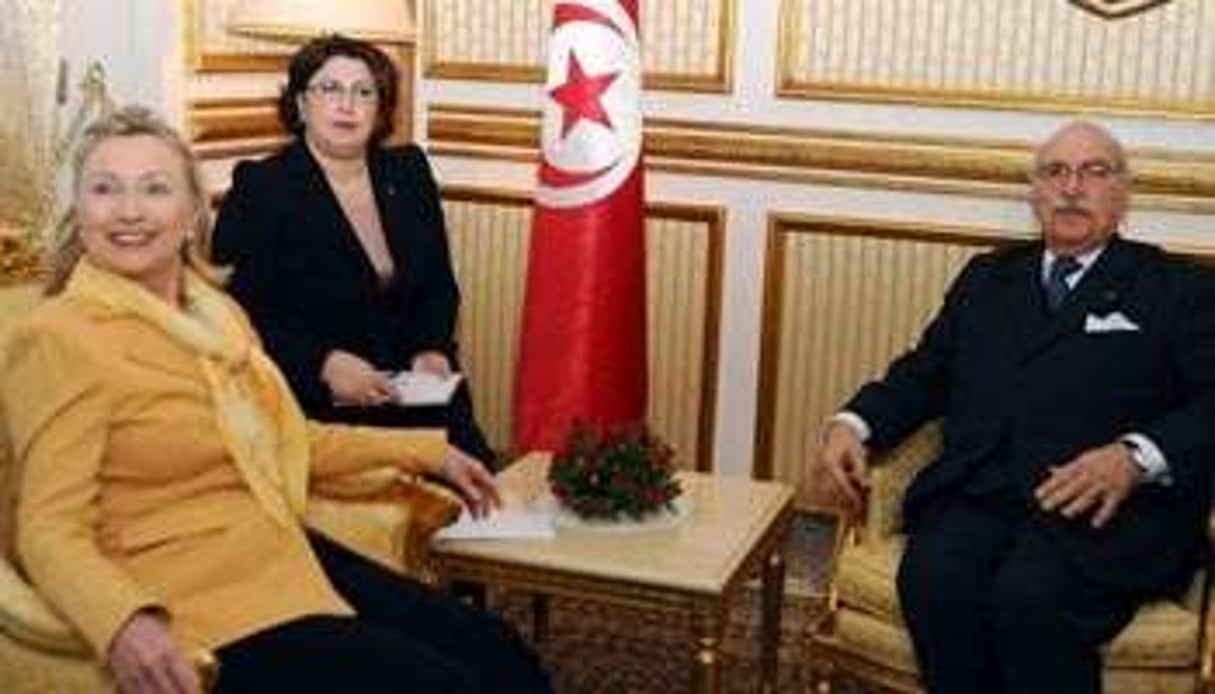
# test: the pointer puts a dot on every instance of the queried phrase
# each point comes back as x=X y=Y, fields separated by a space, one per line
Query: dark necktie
x=1056 y=280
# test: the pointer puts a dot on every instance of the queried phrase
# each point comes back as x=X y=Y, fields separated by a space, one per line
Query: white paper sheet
x=528 y=522
x=423 y=388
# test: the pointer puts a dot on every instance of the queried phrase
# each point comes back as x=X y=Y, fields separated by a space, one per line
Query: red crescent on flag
x=591 y=130
x=560 y=178
x=565 y=13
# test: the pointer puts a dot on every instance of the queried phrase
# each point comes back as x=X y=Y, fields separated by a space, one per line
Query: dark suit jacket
x=301 y=273
x=1021 y=389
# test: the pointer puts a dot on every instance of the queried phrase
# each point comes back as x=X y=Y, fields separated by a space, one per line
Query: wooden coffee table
x=735 y=530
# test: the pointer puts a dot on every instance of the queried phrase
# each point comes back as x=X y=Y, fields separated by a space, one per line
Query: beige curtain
x=29 y=53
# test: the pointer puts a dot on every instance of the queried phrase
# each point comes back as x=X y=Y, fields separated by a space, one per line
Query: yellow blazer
x=127 y=497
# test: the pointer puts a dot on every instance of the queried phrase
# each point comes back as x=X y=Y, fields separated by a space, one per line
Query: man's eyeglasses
x=1059 y=173
x=334 y=92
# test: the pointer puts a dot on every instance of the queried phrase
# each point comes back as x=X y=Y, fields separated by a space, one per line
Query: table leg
x=710 y=625
x=541 y=607
x=773 y=600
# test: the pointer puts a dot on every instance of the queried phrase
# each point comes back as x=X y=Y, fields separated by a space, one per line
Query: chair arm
x=1206 y=634
x=389 y=519
x=890 y=475
x=26 y=617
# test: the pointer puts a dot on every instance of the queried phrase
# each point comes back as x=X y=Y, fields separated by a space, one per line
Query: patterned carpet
x=594 y=649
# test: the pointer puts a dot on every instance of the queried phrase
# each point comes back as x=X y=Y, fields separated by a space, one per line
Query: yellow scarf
x=259 y=419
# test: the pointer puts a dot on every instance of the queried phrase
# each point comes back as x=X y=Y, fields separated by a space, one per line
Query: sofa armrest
x=891 y=474
x=1206 y=634
x=391 y=522
x=27 y=618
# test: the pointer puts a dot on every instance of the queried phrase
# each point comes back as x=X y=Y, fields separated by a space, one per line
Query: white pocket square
x=1110 y=323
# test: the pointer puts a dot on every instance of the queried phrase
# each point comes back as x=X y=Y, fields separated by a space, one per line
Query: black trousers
x=405 y=638
x=994 y=606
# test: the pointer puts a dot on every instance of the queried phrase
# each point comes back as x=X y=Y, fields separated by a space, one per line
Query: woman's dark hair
x=312 y=55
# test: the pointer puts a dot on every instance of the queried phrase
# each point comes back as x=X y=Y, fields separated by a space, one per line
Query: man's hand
x=472 y=480
x=146 y=660
x=844 y=462
x=1099 y=477
x=352 y=380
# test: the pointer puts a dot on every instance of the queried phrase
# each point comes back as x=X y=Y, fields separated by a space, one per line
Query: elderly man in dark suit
x=1075 y=378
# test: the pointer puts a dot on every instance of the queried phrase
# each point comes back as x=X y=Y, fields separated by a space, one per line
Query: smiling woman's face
x=134 y=207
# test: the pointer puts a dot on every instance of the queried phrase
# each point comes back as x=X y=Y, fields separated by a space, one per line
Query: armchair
x=386 y=516
x=861 y=636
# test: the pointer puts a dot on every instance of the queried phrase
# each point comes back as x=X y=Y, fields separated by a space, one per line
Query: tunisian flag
x=582 y=353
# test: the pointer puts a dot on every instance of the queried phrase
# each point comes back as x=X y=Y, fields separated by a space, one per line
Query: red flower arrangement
x=614 y=472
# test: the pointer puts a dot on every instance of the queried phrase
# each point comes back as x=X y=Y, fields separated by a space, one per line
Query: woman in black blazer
x=339 y=252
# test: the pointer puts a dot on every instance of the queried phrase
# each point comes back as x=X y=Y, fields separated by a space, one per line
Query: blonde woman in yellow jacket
x=164 y=466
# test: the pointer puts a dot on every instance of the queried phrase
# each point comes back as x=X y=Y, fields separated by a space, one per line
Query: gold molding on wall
x=719 y=81
x=234 y=127
x=1054 y=89
x=240 y=62
x=917 y=274
x=237 y=118
x=232 y=54
x=713 y=220
x=1163 y=179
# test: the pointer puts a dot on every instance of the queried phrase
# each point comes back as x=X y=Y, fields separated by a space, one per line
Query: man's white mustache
x=1072 y=209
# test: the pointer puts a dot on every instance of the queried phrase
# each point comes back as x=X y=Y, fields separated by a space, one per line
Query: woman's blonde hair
x=131 y=121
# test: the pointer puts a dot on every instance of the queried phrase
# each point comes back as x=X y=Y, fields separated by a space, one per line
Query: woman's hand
x=146 y=660
x=354 y=381
x=472 y=480
x=433 y=362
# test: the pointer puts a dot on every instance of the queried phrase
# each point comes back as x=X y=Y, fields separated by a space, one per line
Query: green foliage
x=609 y=473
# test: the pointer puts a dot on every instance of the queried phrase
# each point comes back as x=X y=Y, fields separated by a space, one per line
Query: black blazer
x=1022 y=388
x=301 y=273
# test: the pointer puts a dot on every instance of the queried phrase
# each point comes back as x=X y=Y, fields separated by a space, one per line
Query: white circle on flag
x=585 y=159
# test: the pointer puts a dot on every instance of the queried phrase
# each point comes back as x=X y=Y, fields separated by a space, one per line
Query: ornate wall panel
x=687 y=44
x=489 y=235
x=684 y=249
x=842 y=298
x=29 y=59
x=988 y=168
x=1020 y=54
x=212 y=48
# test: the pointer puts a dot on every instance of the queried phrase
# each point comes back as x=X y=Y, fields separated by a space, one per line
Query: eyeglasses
x=1059 y=173
x=333 y=92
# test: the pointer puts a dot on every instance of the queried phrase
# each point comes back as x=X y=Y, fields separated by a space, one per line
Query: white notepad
x=529 y=522
x=423 y=388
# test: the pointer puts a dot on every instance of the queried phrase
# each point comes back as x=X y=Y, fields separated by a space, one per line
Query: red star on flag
x=580 y=96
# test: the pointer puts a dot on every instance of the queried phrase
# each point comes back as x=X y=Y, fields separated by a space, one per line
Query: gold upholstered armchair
x=861 y=636
x=384 y=515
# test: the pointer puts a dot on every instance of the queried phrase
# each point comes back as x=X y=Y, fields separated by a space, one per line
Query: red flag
x=582 y=352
